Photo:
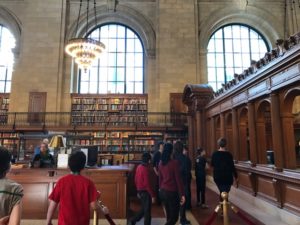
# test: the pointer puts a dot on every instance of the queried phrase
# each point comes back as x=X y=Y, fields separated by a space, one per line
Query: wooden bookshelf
x=109 y=109
x=4 y=106
x=10 y=141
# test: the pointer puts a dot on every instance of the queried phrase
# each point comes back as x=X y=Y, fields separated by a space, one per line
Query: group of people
x=76 y=195
x=172 y=167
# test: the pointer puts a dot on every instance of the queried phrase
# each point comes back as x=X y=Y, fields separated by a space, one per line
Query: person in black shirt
x=185 y=171
x=200 y=173
x=155 y=162
x=43 y=159
x=223 y=165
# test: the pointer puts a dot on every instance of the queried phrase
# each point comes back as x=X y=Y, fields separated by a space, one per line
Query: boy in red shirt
x=144 y=190
x=74 y=193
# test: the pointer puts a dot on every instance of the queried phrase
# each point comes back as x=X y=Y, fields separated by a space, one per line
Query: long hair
x=178 y=148
x=166 y=154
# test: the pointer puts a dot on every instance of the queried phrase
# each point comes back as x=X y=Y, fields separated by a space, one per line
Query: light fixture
x=84 y=50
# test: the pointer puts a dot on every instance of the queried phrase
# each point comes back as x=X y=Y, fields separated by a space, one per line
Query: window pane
x=112 y=31
x=120 y=87
x=121 y=45
x=84 y=88
x=138 y=60
x=104 y=32
x=138 y=87
x=244 y=32
x=130 y=59
x=129 y=87
x=130 y=45
x=229 y=71
x=112 y=45
x=229 y=59
x=121 y=59
x=211 y=45
x=93 y=87
x=218 y=34
x=8 y=86
x=219 y=60
x=245 y=45
x=237 y=60
x=138 y=46
x=103 y=73
x=228 y=45
x=2 y=73
x=138 y=74
x=111 y=87
x=130 y=74
x=130 y=34
x=227 y=32
x=121 y=75
x=219 y=45
x=236 y=31
x=112 y=74
x=220 y=74
x=237 y=45
x=103 y=87
x=112 y=59
x=211 y=60
x=211 y=74
x=121 y=32
x=2 y=85
x=94 y=74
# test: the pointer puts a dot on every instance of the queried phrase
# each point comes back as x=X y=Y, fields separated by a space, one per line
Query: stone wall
x=175 y=34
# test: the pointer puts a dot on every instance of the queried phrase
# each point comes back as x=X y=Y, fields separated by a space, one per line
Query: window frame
x=115 y=66
x=228 y=77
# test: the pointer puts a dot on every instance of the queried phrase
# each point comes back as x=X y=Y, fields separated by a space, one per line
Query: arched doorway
x=291 y=127
x=264 y=133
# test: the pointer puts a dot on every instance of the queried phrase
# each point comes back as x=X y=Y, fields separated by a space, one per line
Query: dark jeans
x=145 y=211
x=171 y=203
x=200 y=189
x=223 y=188
x=187 y=204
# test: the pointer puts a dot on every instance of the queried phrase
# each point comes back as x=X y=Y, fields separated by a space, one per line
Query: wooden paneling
x=111 y=181
x=36 y=107
x=265 y=188
x=291 y=197
x=35 y=201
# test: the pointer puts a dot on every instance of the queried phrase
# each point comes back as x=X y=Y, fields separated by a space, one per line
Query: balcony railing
x=20 y=120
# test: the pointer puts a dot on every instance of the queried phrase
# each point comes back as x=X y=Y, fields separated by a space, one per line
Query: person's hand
x=104 y=210
x=4 y=220
x=153 y=200
x=182 y=200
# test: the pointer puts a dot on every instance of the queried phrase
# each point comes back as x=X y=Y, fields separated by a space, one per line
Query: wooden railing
x=62 y=120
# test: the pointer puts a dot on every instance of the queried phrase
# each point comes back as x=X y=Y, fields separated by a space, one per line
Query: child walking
x=201 y=166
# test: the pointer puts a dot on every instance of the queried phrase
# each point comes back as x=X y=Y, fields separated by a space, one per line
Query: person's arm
x=15 y=215
x=51 y=210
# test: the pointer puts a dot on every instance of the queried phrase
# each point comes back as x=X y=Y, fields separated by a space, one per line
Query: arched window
x=120 y=68
x=230 y=50
x=7 y=43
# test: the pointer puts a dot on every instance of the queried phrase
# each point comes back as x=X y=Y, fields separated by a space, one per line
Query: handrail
x=16 y=120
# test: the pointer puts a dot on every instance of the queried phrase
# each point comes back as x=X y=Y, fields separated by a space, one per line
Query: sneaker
x=204 y=206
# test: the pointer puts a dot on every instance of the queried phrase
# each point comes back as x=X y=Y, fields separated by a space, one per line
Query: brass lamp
x=57 y=142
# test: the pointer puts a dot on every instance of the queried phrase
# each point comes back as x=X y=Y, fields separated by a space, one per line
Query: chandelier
x=84 y=50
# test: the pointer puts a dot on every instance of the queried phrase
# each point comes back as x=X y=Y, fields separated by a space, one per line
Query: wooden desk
x=37 y=184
